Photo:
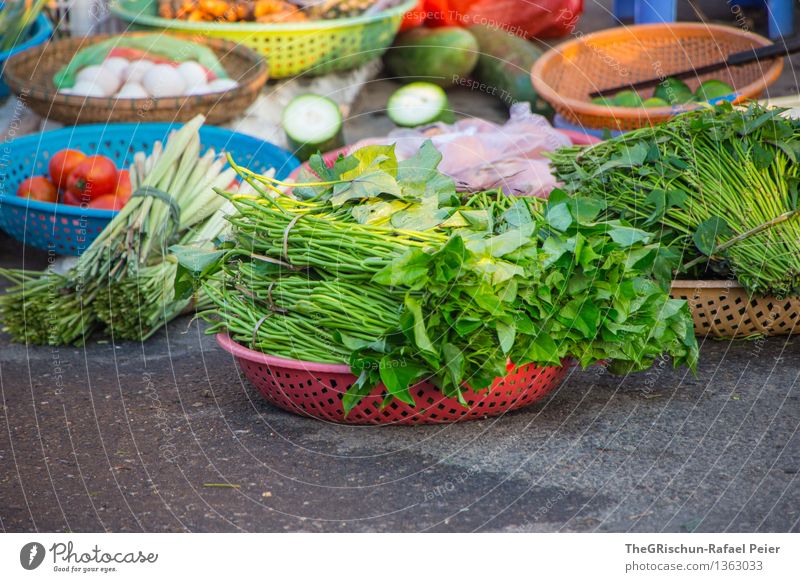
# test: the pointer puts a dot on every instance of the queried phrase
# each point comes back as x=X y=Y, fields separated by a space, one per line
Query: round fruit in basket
x=38 y=188
x=62 y=164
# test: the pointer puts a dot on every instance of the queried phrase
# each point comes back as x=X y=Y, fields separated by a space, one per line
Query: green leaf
x=319 y=170
x=410 y=270
x=506 y=334
x=558 y=216
x=543 y=350
x=369 y=185
x=420 y=167
x=454 y=363
x=421 y=338
x=629 y=156
x=197 y=259
x=585 y=209
x=761 y=156
x=421 y=217
x=518 y=215
x=677 y=198
x=626 y=236
x=378 y=211
x=658 y=199
x=503 y=244
x=362 y=387
x=372 y=158
x=398 y=376
x=708 y=232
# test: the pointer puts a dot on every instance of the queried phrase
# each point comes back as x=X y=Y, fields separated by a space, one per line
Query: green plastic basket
x=316 y=47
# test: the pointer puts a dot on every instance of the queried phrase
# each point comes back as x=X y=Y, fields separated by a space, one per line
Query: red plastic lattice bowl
x=315 y=390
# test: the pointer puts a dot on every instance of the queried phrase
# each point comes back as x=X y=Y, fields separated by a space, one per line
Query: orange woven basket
x=724 y=309
x=565 y=75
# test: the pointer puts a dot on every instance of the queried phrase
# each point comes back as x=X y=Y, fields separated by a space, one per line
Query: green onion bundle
x=125 y=279
x=720 y=185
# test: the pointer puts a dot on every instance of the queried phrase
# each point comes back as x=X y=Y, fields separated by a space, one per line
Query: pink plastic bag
x=481 y=155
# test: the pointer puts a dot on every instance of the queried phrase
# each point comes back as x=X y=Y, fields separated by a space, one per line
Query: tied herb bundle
x=382 y=266
x=125 y=279
x=719 y=185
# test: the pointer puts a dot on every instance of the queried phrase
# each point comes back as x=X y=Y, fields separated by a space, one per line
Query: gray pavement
x=132 y=437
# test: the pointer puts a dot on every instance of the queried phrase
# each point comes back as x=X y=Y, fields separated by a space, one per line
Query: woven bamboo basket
x=724 y=309
x=30 y=74
x=565 y=75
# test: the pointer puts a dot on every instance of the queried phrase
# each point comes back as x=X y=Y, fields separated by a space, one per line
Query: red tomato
x=123 y=190
x=38 y=188
x=93 y=177
x=62 y=164
x=74 y=199
x=107 y=202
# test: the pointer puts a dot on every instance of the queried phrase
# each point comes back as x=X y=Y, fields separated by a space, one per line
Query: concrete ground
x=167 y=436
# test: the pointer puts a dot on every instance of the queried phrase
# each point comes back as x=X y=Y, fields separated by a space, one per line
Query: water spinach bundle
x=381 y=265
x=717 y=186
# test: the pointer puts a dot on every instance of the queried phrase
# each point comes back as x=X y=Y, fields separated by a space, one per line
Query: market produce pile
x=381 y=265
x=141 y=67
x=124 y=282
x=268 y=11
x=719 y=186
x=670 y=91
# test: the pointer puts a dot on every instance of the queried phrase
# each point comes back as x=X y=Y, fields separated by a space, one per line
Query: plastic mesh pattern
x=316 y=390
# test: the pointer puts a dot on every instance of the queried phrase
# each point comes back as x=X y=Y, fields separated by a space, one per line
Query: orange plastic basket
x=565 y=75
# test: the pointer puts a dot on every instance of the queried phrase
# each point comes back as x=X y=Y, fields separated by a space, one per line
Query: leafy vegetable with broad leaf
x=717 y=186
x=407 y=281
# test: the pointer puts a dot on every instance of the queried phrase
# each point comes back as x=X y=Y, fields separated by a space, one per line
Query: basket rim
x=112 y=129
x=39 y=33
x=705 y=284
x=63 y=210
x=238 y=350
x=579 y=107
x=117 y=9
x=257 y=77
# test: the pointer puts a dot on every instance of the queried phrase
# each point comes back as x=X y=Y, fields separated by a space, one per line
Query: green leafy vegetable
x=717 y=186
x=426 y=285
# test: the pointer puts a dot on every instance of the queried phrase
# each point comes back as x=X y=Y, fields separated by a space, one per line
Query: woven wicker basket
x=565 y=75
x=724 y=309
x=30 y=74
x=315 y=47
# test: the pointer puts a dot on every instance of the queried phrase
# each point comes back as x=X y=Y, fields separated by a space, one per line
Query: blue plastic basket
x=39 y=33
x=69 y=230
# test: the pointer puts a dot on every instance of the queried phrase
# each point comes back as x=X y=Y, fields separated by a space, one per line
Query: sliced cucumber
x=419 y=104
x=312 y=123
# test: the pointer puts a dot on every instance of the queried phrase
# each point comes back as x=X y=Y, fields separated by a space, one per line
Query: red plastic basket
x=316 y=390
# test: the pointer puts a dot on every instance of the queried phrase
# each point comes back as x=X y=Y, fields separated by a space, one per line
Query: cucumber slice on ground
x=419 y=103
x=312 y=123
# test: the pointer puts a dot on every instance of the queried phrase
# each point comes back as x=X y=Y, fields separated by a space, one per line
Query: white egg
x=86 y=89
x=100 y=76
x=193 y=74
x=220 y=85
x=201 y=89
x=136 y=70
x=131 y=90
x=163 y=81
x=116 y=64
